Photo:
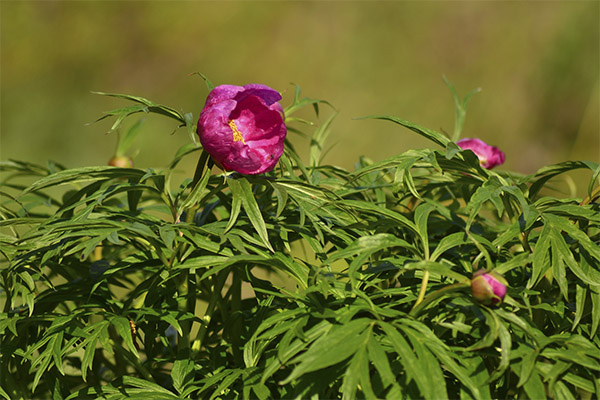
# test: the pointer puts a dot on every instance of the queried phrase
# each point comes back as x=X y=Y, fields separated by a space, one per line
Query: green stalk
x=182 y=306
x=218 y=283
x=235 y=314
x=422 y=291
x=436 y=295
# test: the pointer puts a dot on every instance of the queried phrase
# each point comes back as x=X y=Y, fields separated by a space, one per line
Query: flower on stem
x=488 y=287
x=489 y=156
x=242 y=128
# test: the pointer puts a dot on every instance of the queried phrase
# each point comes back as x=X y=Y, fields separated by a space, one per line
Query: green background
x=536 y=62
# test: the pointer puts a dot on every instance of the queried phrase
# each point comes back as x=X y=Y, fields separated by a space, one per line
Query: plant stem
x=218 y=283
x=182 y=306
x=423 y=289
x=435 y=295
x=235 y=313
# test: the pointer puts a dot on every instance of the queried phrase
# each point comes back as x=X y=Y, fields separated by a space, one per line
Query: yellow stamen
x=237 y=135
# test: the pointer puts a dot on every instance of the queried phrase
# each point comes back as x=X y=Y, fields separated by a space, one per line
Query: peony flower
x=489 y=156
x=242 y=128
x=488 y=287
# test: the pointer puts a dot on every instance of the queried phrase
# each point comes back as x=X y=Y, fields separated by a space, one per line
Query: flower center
x=237 y=135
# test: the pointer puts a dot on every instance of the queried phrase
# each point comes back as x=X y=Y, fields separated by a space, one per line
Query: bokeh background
x=536 y=62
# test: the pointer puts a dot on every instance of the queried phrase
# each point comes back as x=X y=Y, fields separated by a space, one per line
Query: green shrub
x=309 y=281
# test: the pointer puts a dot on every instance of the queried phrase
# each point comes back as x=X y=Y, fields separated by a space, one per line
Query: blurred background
x=537 y=64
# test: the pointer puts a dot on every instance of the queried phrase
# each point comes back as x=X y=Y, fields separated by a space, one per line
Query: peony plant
x=313 y=282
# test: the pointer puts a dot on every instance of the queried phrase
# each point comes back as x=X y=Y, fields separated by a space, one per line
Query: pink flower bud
x=489 y=156
x=242 y=128
x=121 y=162
x=488 y=287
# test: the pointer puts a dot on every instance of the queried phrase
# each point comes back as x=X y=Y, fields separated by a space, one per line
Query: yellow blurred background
x=536 y=62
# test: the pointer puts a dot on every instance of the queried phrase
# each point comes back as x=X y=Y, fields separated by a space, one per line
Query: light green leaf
x=434 y=136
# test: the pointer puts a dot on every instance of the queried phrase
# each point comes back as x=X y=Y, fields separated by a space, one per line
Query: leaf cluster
x=310 y=281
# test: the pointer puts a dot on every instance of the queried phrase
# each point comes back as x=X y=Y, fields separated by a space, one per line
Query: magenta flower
x=488 y=287
x=489 y=156
x=242 y=128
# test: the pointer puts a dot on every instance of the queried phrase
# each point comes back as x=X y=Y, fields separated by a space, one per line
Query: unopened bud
x=488 y=287
x=121 y=162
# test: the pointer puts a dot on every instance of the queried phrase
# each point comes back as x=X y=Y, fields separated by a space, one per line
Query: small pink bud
x=121 y=162
x=489 y=156
x=488 y=287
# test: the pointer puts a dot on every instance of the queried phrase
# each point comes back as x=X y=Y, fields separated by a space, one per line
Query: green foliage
x=310 y=281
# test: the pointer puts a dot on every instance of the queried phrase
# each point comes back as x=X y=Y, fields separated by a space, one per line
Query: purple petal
x=222 y=93
x=269 y=95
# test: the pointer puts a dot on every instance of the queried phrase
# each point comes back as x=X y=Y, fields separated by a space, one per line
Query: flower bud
x=489 y=156
x=121 y=162
x=488 y=287
x=242 y=128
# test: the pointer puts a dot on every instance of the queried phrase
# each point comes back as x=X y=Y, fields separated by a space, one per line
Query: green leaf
x=209 y=85
x=379 y=359
x=534 y=387
x=541 y=261
x=546 y=173
x=124 y=329
x=339 y=344
x=355 y=372
x=379 y=211
x=225 y=383
x=83 y=174
x=421 y=215
x=318 y=141
x=447 y=243
x=147 y=386
x=253 y=211
x=434 y=136
x=149 y=106
x=461 y=108
x=414 y=369
x=126 y=140
x=437 y=268
x=182 y=372
x=595 y=296
x=236 y=202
